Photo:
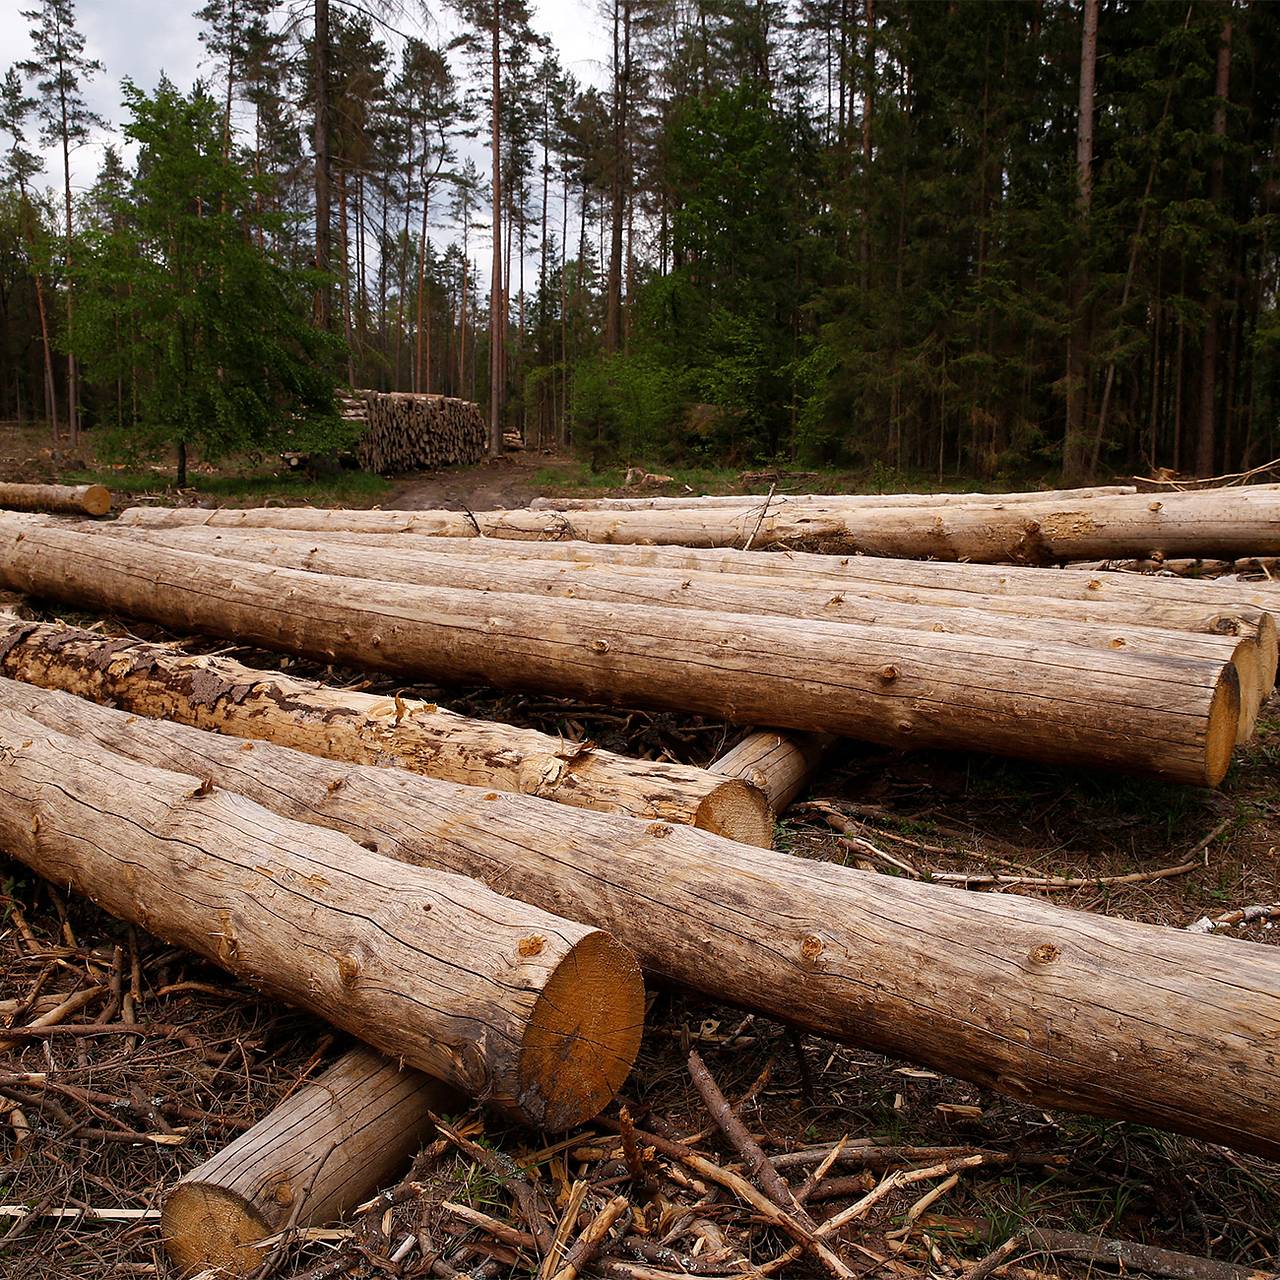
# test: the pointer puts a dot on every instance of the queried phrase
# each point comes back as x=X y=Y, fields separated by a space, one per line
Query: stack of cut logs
x=478 y=901
x=1141 y=674
x=409 y=432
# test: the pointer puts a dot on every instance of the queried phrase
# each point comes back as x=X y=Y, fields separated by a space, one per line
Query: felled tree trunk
x=695 y=589
x=1115 y=599
x=1055 y=1007
x=1099 y=596
x=531 y=1013
x=223 y=695
x=1233 y=522
x=64 y=499
x=854 y=500
x=1171 y=716
x=318 y=1154
x=779 y=764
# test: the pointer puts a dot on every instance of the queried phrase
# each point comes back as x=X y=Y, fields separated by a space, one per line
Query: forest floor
x=134 y=1113
x=507 y=482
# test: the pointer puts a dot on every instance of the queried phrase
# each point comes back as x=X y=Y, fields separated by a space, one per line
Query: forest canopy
x=1032 y=237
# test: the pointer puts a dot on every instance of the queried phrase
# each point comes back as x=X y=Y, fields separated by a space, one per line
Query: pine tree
x=177 y=289
x=58 y=67
x=20 y=166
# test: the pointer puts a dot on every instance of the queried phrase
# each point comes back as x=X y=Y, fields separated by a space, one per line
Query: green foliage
x=625 y=406
x=177 y=296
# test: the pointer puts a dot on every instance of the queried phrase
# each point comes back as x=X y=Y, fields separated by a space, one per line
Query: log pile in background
x=405 y=431
x=1057 y=1007
x=1215 y=523
x=1170 y=715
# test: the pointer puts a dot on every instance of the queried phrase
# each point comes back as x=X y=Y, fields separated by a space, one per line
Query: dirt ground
x=109 y=1122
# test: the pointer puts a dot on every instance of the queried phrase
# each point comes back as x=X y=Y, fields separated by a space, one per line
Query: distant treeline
x=1035 y=235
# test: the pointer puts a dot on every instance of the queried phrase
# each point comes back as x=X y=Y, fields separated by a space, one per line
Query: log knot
x=348 y=969
x=1045 y=953
x=531 y=946
x=811 y=948
x=659 y=830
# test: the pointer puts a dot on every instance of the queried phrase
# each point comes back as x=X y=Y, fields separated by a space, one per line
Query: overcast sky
x=139 y=39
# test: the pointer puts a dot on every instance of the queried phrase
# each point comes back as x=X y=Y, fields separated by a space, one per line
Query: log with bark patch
x=533 y=1014
x=221 y=694
x=61 y=499
x=1056 y=1007
x=1208 y=523
x=1175 y=717
x=724 y=593
x=316 y=1156
x=754 y=501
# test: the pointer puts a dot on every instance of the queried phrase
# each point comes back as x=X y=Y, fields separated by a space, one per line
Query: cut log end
x=96 y=500
x=738 y=810
x=1223 y=727
x=1268 y=650
x=209 y=1228
x=583 y=1034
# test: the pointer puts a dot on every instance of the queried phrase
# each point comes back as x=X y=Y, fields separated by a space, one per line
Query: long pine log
x=1056 y=1007
x=1204 y=523
x=725 y=593
x=533 y=1014
x=1238 y=608
x=221 y=694
x=61 y=499
x=1175 y=717
x=865 y=500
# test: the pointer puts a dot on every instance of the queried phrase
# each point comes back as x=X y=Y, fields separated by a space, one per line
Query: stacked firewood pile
x=409 y=432
x=478 y=904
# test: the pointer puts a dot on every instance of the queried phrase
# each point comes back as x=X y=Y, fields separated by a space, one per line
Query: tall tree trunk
x=621 y=84
x=563 y=424
x=73 y=396
x=868 y=107
x=322 y=156
x=422 y=376
x=1206 y=436
x=232 y=41
x=51 y=399
x=497 y=303
x=1075 y=446
x=344 y=275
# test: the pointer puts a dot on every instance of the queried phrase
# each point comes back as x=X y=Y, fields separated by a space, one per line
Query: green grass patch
x=340 y=488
